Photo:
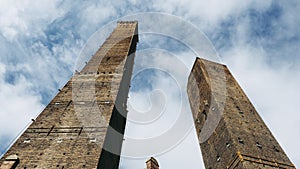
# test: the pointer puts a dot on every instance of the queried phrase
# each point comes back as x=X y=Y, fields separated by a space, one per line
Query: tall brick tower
x=230 y=131
x=83 y=126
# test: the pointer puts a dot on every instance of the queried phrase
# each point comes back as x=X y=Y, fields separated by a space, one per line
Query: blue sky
x=259 y=41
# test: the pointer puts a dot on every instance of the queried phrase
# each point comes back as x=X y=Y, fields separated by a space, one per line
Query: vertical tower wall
x=240 y=139
x=83 y=126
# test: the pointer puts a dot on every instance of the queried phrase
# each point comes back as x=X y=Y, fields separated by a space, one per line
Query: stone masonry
x=230 y=131
x=83 y=126
x=152 y=163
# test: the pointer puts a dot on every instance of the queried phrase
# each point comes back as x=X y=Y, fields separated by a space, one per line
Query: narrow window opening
x=92 y=140
x=59 y=140
x=27 y=140
x=205 y=102
x=275 y=148
x=205 y=114
x=240 y=140
x=258 y=145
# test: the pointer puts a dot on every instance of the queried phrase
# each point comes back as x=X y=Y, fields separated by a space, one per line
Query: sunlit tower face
x=83 y=126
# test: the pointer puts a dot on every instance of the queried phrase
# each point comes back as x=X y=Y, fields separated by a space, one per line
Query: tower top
x=127 y=22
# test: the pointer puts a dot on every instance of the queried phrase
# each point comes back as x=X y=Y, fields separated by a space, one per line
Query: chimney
x=152 y=163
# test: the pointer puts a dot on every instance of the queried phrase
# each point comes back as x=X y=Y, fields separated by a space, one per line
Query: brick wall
x=83 y=117
x=230 y=131
x=152 y=163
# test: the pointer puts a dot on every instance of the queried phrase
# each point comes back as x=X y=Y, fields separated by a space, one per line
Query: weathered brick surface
x=152 y=163
x=233 y=134
x=71 y=131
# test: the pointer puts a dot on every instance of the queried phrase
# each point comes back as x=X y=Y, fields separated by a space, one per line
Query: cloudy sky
x=40 y=42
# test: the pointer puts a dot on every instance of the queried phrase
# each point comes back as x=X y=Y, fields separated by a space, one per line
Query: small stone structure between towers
x=231 y=133
x=152 y=163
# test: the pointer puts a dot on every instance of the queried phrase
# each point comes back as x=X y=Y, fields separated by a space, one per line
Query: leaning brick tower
x=230 y=131
x=83 y=126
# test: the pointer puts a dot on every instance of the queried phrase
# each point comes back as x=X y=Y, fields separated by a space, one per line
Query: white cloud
x=161 y=60
x=20 y=17
x=18 y=106
x=209 y=12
